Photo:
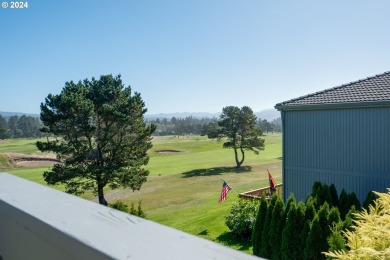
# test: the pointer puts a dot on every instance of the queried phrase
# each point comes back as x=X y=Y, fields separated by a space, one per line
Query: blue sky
x=191 y=56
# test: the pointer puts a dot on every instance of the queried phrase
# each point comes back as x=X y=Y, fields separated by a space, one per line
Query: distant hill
x=268 y=114
x=9 y=114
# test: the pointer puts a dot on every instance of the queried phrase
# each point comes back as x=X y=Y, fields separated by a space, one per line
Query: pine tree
x=276 y=229
x=100 y=135
x=259 y=226
x=265 y=248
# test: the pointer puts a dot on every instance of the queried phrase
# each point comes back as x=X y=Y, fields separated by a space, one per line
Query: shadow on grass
x=204 y=232
x=215 y=171
x=228 y=239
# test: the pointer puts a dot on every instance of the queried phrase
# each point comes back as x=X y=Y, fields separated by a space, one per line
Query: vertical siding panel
x=347 y=147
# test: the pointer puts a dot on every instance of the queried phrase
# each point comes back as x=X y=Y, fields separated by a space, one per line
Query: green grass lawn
x=183 y=187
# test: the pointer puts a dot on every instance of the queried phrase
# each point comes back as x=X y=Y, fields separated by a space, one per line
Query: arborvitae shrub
x=349 y=218
x=336 y=240
x=242 y=217
x=370 y=199
x=259 y=226
x=323 y=195
x=292 y=230
x=303 y=234
x=290 y=202
x=313 y=247
x=265 y=248
x=353 y=200
x=310 y=211
x=334 y=216
x=289 y=239
x=317 y=186
x=276 y=229
x=344 y=204
x=323 y=218
x=333 y=195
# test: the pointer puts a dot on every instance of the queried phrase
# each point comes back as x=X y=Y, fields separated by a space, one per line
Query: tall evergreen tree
x=13 y=127
x=276 y=229
x=310 y=213
x=333 y=195
x=353 y=200
x=323 y=217
x=323 y=195
x=259 y=226
x=313 y=248
x=344 y=204
x=4 y=131
x=265 y=248
x=103 y=136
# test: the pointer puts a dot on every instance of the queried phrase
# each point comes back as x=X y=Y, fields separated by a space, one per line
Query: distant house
x=340 y=135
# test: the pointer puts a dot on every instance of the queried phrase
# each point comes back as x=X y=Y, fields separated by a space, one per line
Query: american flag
x=224 y=192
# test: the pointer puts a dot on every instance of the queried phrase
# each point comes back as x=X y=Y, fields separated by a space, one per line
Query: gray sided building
x=341 y=136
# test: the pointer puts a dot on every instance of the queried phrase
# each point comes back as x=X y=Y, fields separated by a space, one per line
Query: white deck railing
x=37 y=222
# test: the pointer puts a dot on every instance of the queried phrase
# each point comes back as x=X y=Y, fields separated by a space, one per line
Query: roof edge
x=287 y=102
x=281 y=107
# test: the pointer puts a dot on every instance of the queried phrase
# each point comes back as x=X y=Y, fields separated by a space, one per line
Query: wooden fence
x=258 y=193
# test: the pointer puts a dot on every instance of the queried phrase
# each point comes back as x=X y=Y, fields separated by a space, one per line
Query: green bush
x=242 y=217
x=119 y=205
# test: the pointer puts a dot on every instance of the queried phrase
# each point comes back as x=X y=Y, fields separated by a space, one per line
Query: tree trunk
x=242 y=156
x=102 y=200
x=238 y=162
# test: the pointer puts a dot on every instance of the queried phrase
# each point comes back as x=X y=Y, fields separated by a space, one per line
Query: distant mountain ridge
x=268 y=114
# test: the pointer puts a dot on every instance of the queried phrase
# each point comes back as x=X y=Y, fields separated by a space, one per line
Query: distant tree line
x=200 y=126
x=20 y=127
